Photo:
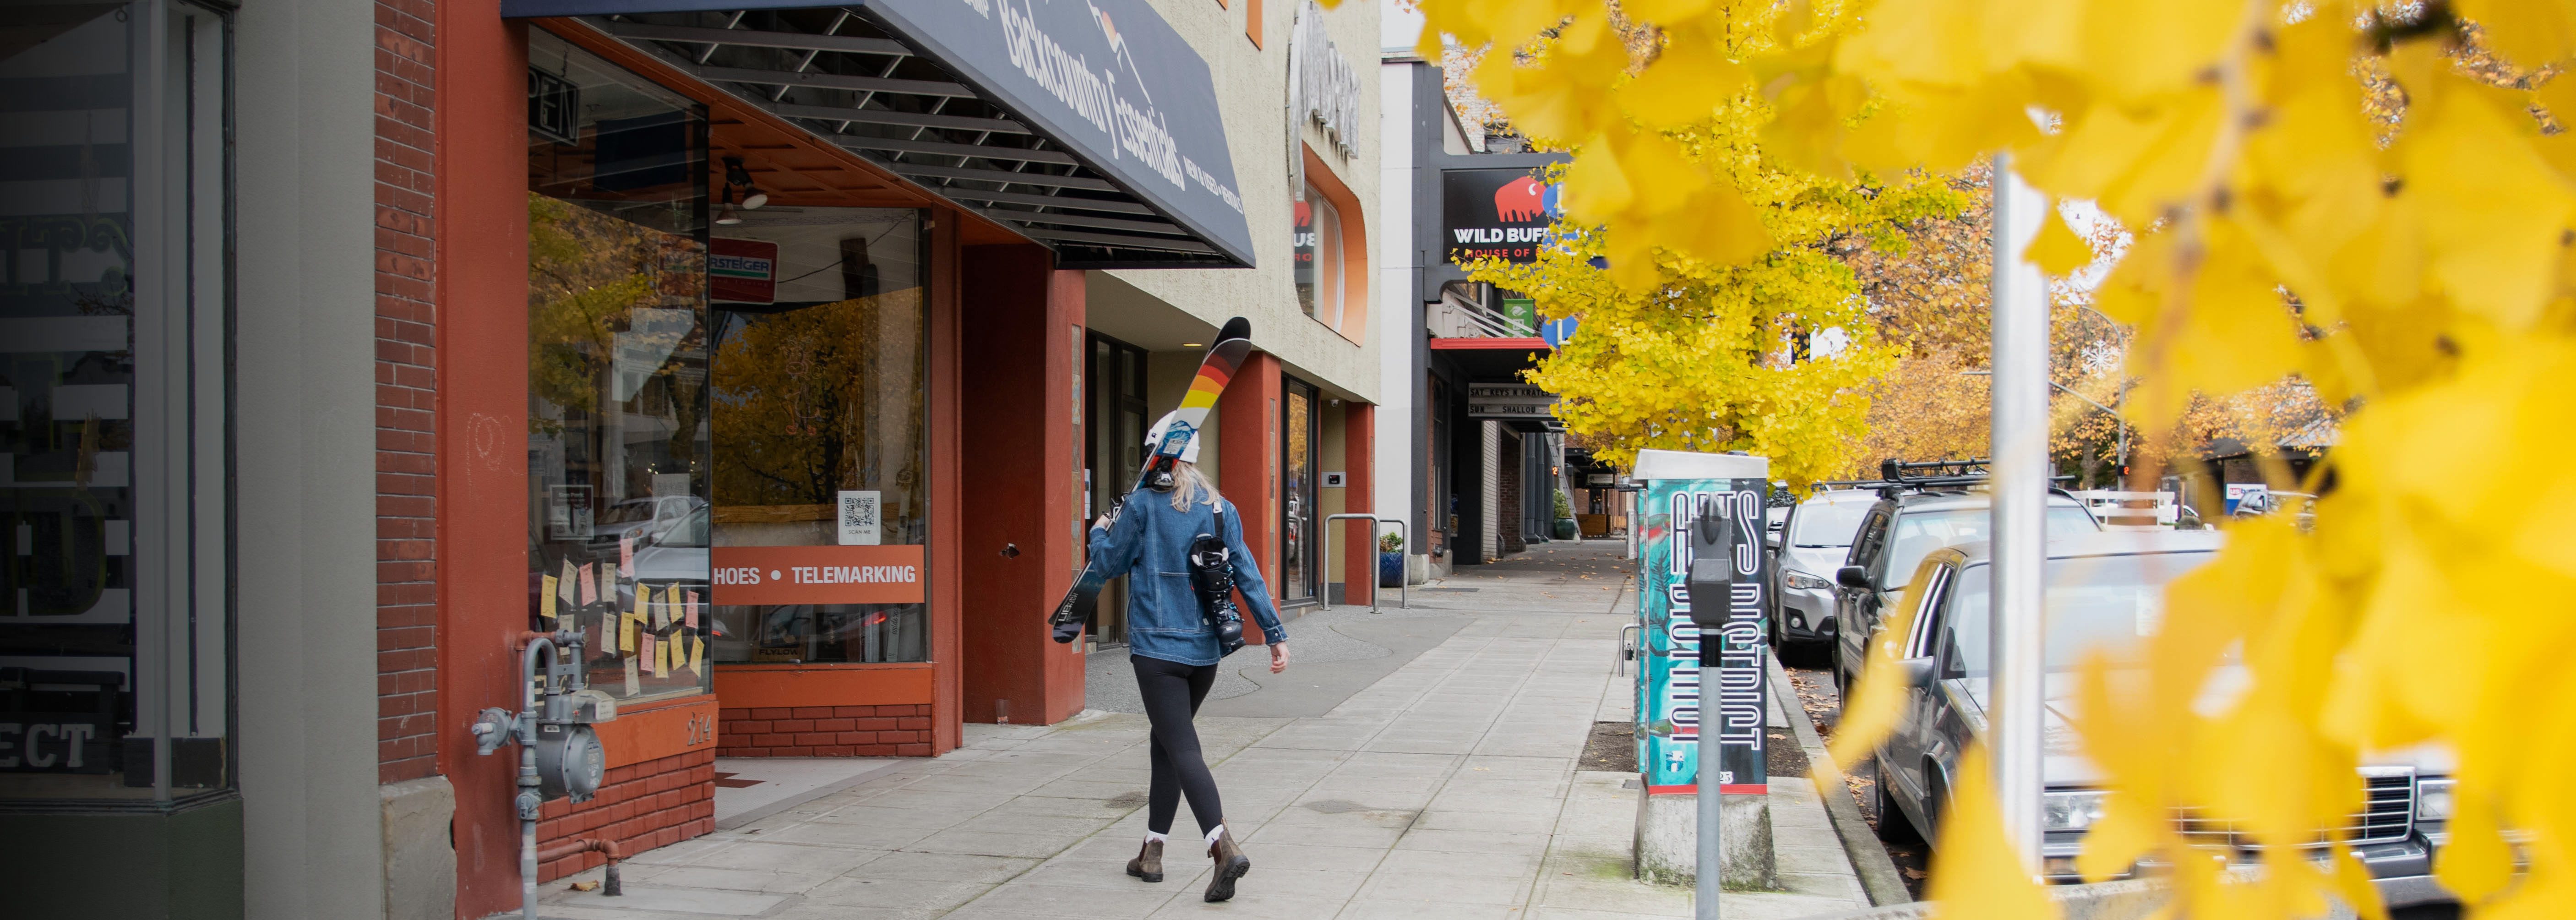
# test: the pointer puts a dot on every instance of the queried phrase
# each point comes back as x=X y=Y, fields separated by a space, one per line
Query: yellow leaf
x=1716 y=226
x=2493 y=214
x=1664 y=11
x=1980 y=875
x=2531 y=33
x=1596 y=188
x=2057 y=250
x=1684 y=86
x=2134 y=49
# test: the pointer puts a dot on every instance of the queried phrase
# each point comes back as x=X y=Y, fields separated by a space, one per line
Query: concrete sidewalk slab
x=1445 y=786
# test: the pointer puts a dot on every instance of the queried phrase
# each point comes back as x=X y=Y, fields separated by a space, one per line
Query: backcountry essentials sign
x=816 y=574
x=1108 y=79
x=1495 y=213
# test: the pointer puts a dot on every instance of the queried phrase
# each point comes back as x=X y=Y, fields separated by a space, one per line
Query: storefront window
x=114 y=619
x=1298 y=555
x=617 y=355
x=821 y=512
x=1319 y=258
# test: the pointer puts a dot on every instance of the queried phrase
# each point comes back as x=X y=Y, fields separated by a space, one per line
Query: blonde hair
x=1187 y=482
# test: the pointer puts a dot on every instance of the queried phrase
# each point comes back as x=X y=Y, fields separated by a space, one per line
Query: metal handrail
x=1404 y=595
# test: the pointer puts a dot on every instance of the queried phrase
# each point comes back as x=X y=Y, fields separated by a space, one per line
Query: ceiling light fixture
x=738 y=179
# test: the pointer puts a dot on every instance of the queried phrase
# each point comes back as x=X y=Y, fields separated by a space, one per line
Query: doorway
x=1115 y=456
x=1300 y=559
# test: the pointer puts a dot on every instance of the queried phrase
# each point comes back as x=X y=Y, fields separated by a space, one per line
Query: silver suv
x=2106 y=591
x=1811 y=545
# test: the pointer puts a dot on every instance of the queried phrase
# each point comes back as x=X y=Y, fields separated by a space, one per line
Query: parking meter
x=1710 y=580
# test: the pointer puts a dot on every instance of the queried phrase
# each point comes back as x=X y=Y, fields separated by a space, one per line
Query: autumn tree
x=1729 y=321
x=2427 y=256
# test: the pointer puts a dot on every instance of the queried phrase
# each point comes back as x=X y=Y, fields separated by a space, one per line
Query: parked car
x=2105 y=591
x=1894 y=536
x=677 y=554
x=1812 y=544
x=641 y=518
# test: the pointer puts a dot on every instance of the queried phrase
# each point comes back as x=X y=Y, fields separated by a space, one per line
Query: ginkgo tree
x=2426 y=261
x=1740 y=325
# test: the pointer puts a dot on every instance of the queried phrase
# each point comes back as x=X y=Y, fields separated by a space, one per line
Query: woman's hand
x=1278 y=657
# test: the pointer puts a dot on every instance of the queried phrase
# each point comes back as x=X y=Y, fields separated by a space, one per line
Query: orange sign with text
x=816 y=574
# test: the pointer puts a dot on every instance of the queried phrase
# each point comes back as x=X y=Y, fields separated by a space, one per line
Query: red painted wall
x=1248 y=461
x=1359 y=451
x=1017 y=457
x=947 y=586
x=482 y=425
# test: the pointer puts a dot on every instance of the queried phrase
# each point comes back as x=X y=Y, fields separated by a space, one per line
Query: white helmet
x=1154 y=438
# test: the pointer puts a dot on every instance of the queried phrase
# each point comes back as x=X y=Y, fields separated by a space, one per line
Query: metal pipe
x=2016 y=734
x=610 y=886
x=1712 y=821
x=529 y=799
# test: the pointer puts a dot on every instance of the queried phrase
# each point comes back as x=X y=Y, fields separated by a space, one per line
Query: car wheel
x=1893 y=825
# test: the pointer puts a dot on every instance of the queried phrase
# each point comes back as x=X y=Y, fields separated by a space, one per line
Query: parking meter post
x=1710 y=581
x=2019 y=392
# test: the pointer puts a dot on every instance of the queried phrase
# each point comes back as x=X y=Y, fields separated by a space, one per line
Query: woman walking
x=1175 y=647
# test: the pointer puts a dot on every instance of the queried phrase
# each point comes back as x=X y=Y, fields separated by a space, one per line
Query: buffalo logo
x=1523 y=200
x=1520 y=200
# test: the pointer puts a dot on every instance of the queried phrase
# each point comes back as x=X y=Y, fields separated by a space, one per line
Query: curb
x=1878 y=877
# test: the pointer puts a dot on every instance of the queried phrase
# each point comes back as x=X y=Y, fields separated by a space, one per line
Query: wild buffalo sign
x=1495 y=214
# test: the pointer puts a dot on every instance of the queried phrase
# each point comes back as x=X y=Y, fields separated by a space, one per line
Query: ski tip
x=1236 y=328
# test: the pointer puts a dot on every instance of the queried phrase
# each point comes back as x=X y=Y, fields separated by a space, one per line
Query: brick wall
x=641 y=806
x=406 y=391
x=825 y=731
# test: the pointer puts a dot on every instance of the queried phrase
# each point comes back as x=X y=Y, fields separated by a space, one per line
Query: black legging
x=1172 y=694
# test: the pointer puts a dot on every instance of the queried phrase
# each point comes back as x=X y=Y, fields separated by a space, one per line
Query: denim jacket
x=1150 y=542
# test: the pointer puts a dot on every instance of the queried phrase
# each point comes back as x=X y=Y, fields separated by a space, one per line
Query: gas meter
x=560 y=757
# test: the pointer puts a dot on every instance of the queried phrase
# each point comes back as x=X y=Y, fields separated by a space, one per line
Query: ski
x=1224 y=356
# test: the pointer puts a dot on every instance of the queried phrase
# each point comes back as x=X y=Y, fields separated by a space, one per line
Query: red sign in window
x=816 y=574
x=742 y=271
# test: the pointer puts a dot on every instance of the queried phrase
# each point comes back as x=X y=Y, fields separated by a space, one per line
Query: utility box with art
x=1690 y=689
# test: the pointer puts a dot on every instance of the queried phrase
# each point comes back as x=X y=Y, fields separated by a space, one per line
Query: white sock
x=1151 y=837
x=1218 y=832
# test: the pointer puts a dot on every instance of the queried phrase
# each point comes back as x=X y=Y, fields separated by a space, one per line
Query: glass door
x=1300 y=559
x=1115 y=456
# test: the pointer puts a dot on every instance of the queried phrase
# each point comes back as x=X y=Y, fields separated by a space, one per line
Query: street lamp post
x=2019 y=394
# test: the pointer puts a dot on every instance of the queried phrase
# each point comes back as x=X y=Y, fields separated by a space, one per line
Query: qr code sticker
x=860 y=518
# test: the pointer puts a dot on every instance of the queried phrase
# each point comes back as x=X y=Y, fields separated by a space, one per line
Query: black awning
x=1091 y=127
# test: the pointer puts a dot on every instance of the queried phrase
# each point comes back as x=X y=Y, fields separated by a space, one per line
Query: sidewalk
x=1444 y=787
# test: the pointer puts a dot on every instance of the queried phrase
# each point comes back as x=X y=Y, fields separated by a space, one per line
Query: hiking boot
x=1148 y=864
x=1231 y=864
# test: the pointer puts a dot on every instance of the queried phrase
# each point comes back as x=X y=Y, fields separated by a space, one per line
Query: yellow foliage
x=2390 y=167
x=1981 y=877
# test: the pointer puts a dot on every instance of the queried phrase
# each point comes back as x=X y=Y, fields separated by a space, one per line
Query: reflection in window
x=114 y=659
x=1319 y=258
x=821 y=427
x=1299 y=557
x=617 y=379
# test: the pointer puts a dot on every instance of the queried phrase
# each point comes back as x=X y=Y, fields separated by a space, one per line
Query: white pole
x=2020 y=488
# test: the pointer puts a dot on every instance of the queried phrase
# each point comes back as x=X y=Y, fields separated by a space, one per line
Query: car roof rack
x=1895 y=477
